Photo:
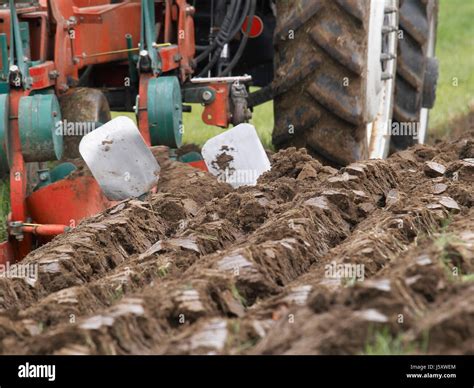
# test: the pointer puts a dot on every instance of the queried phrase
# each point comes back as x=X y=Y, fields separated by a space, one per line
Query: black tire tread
x=411 y=65
x=318 y=105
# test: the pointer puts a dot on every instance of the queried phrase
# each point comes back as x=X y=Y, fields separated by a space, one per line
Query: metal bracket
x=228 y=80
x=16 y=229
x=19 y=76
x=199 y=95
x=240 y=111
x=149 y=58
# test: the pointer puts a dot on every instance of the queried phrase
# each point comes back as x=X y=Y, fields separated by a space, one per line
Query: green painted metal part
x=132 y=65
x=148 y=34
x=195 y=95
x=165 y=111
x=190 y=157
x=4 y=85
x=4 y=113
x=39 y=122
x=25 y=39
x=19 y=36
x=59 y=172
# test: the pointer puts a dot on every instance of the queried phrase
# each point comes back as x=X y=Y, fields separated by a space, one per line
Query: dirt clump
x=223 y=160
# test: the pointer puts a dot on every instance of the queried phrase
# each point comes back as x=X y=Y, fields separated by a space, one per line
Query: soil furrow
x=311 y=260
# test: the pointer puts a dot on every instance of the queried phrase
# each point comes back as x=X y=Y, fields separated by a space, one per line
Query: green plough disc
x=40 y=134
x=165 y=111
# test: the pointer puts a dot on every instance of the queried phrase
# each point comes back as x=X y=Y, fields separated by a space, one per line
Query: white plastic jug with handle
x=236 y=156
x=120 y=160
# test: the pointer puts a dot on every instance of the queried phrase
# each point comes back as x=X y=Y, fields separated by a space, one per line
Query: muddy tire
x=320 y=66
x=417 y=72
x=82 y=105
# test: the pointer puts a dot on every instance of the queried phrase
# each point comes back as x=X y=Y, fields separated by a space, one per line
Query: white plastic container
x=236 y=156
x=120 y=160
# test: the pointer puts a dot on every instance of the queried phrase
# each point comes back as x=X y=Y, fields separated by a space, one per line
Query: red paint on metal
x=199 y=164
x=62 y=12
x=74 y=199
x=168 y=21
x=186 y=39
x=90 y=3
x=45 y=230
x=6 y=253
x=170 y=58
x=101 y=30
x=18 y=176
x=256 y=29
x=93 y=32
x=40 y=75
x=142 y=108
x=218 y=112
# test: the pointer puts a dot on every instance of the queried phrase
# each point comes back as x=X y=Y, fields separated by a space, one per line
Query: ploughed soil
x=377 y=257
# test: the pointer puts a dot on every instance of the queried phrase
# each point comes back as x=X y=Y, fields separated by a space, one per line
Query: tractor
x=349 y=79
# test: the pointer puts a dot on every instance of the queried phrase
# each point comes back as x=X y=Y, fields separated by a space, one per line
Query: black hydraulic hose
x=241 y=21
x=222 y=34
x=211 y=63
x=220 y=45
x=235 y=25
x=234 y=28
x=243 y=43
x=225 y=38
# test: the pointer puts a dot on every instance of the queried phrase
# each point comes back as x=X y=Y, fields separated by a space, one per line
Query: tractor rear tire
x=320 y=71
x=417 y=71
x=82 y=105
